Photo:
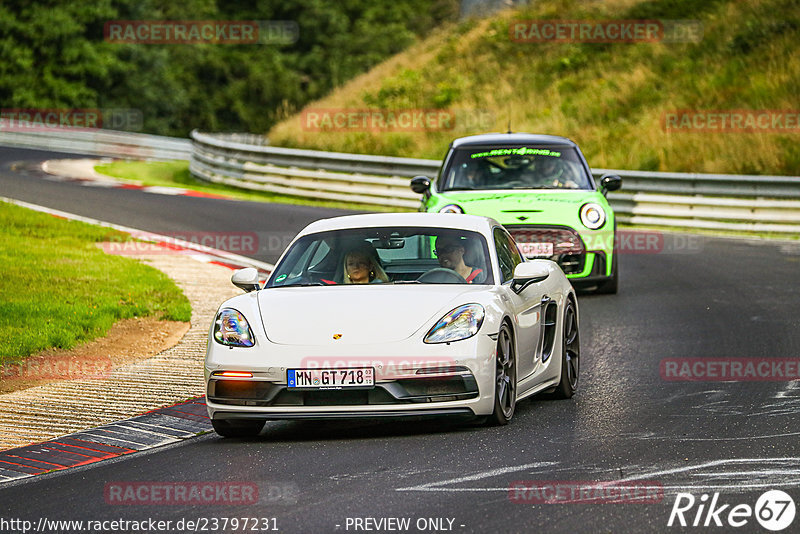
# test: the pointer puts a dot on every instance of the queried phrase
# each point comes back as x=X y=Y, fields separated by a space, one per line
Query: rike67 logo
x=774 y=510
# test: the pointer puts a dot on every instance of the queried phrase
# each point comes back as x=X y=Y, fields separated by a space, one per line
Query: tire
x=238 y=428
x=570 y=354
x=610 y=286
x=505 y=383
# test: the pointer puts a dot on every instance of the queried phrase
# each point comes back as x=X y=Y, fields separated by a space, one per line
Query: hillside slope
x=611 y=98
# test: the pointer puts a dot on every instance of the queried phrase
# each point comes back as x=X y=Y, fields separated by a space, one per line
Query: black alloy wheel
x=505 y=387
x=570 y=353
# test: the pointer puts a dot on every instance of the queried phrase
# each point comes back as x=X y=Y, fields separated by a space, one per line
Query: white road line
x=787 y=390
x=651 y=476
x=613 y=483
x=737 y=438
x=769 y=485
x=763 y=472
x=477 y=476
x=162 y=190
x=683 y=469
x=148 y=236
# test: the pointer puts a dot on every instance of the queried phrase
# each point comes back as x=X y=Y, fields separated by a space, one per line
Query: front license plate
x=535 y=250
x=356 y=377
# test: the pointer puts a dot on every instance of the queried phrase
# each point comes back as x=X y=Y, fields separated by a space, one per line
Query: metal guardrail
x=709 y=201
x=99 y=143
x=249 y=163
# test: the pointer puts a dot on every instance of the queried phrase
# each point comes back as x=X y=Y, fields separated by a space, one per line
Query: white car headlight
x=451 y=208
x=232 y=329
x=592 y=216
x=460 y=323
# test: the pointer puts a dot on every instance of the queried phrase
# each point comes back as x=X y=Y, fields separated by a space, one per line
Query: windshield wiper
x=406 y=282
x=303 y=284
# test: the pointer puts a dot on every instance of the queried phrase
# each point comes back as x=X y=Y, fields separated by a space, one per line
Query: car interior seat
x=474 y=257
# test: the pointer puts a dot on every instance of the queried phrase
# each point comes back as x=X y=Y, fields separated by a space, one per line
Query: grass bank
x=60 y=289
x=611 y=98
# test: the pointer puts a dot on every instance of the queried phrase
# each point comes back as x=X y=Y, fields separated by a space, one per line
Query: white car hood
x=363 y=315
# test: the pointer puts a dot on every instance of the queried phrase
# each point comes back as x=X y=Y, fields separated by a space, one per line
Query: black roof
x=511 y=139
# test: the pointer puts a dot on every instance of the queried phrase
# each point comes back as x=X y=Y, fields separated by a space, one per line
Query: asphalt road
x=691 y=297
x=274 y=224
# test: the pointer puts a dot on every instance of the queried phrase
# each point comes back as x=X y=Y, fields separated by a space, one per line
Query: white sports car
x=391 y=315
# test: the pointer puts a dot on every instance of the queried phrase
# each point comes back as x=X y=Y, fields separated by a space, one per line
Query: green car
x=542 y=190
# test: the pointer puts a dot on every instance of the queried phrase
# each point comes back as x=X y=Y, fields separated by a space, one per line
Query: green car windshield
x=515 y=167
x=390 y=255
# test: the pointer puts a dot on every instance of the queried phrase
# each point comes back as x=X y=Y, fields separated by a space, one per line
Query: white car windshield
x=514 y=167
x=385 y=256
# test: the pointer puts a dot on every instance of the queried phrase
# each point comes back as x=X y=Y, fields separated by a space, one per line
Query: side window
x=507 y=254
x=512 y=246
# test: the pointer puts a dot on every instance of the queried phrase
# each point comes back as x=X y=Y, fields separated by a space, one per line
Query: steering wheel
x=440 y=275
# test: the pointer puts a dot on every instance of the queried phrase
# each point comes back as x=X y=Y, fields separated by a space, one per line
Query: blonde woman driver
x=362 y=267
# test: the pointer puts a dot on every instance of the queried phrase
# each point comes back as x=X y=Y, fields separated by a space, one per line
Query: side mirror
x=610 y=182
x=527 y=273
x=246 y=279
x=421 y=185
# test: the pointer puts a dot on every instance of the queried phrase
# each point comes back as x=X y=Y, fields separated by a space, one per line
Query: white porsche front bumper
x=411 y=379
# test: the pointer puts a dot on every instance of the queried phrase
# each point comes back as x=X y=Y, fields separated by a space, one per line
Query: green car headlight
x=231 y=329
x=451 y=208
x=592 y=216
x=460 y=323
